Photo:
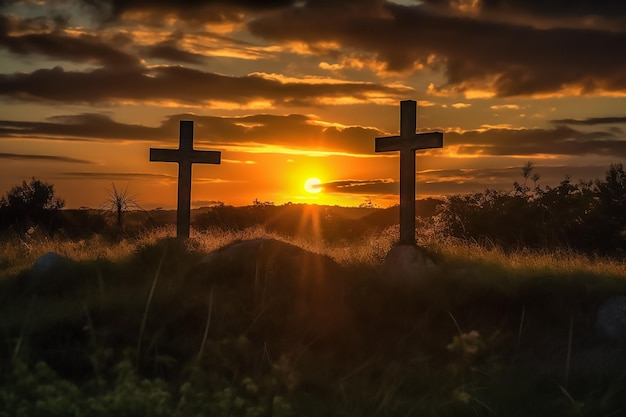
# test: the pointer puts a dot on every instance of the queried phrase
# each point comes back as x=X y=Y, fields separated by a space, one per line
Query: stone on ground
x=408 y=264
x=47 y=262
x=611 y=319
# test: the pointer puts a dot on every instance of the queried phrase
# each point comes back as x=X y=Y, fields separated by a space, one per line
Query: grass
x=129 y=330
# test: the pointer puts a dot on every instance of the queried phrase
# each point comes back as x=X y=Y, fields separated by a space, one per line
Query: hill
x=153 y=332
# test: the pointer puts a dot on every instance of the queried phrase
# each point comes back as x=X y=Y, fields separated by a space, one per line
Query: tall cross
x=407 y=143
x=185 y=156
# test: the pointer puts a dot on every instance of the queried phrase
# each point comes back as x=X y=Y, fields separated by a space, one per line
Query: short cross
x=185 y=156
x=407 y=143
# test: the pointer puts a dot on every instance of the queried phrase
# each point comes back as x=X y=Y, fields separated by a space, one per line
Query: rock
x=51 y=273
x=47 y=262
x=408 y=264
x=611 y=319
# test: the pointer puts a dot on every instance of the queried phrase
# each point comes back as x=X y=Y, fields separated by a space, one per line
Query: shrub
x=32 y=203
x=588 y=216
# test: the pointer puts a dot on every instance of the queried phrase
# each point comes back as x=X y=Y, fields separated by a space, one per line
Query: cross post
x=185 y=156
x=407 y=143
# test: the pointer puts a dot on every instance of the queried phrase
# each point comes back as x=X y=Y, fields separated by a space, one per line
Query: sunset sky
x=289 y=90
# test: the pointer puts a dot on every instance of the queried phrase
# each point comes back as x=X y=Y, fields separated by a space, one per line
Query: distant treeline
x=588 y=216
x=331 y=223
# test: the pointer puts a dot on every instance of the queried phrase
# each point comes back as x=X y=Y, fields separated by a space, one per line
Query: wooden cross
x=407 y=143
x=185 y=156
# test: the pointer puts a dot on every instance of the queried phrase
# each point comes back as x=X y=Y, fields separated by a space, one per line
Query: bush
x=588 y=216
x=30 y=204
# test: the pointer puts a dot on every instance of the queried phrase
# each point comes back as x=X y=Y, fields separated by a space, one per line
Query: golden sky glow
x=293 y=90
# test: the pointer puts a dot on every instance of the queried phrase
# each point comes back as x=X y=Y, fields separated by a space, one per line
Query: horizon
x=293 y=92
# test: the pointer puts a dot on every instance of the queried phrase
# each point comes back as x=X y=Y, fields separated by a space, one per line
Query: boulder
x=50 y=274
x=47 y=262
x=611 y=320
x=408 y=264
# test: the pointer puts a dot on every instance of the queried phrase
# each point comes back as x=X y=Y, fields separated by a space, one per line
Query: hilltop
x=143 y=327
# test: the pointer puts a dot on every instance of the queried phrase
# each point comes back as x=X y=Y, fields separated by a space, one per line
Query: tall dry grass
x=19 y=253
x=551 y=261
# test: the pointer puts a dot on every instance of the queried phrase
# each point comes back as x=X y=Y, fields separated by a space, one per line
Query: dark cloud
x=375 y=186
x=592 y=121
x=558 y=141
x=509 y=174
x=87 y=126
x=206 y=203
x=513 y=59
x=302 y=132
x=58 y=45
x=200 y=11
x=475 y=50
x=89 y=176
x=462 y=181
x=179 y=84
x=52 y=158
x=210 y=9
x=295 y=131
x=608 y=8
x=169 y=50
x=172 y=53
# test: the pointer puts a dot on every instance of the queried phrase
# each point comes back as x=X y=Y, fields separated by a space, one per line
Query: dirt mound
x=259 y=257
x=275 y=278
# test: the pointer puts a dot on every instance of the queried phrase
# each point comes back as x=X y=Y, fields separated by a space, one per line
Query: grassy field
x=130 y=329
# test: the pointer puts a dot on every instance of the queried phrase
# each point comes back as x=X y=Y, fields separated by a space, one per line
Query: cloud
x=214 y=11
x=170 y=52
x=483 y=49
x=223 y=10
x=450 y=181
x=86 y=126
x=375 y=186
x=206 y=203
x=128 y=176
x=476 y=53
x=181 y=85
x=306 y=133
x=538 y=8
x=592 y=121
x=56 y=44
x=558 y=141
x=52 y=158
x=294 y=131
x=462 y=181
x=237 y=161
x=505 y=107
x=115 y=176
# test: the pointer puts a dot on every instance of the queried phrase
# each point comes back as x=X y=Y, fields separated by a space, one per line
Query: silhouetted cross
x=407 y=143
x=185 y=156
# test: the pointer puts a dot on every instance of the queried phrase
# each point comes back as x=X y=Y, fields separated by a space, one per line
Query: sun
x=312 y=185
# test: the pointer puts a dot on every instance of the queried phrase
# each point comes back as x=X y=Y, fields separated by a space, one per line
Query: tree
x=119 y=203
x=368 y=204
x=611 y=195
x=258 y=203
x=32 y=203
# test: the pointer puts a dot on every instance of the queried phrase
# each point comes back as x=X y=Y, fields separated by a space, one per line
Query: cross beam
x=407 y=143
x=185 y=156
